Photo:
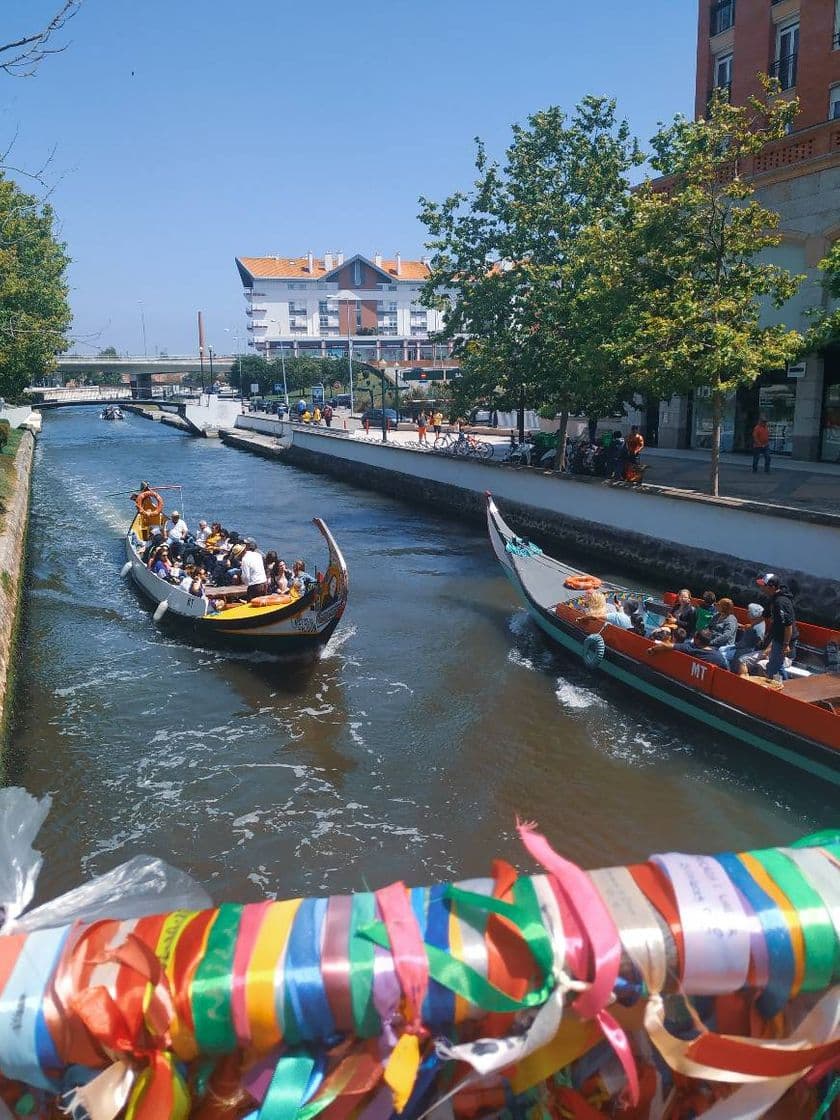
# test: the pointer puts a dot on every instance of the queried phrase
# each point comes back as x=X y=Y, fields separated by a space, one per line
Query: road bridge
x=183 y=363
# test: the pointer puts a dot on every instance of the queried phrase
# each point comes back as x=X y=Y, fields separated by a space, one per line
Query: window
x=787 y=52
x=834 y=103
x=722 y=16
x=327 y=317
x=357 y=273
x=297 y=316
x=835 y=42
x=723 y=71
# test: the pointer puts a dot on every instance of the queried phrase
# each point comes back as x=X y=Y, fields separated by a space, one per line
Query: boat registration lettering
x=698 y=671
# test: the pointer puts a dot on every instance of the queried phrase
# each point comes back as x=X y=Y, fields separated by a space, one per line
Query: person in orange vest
x=635 y=443
x=761 y=444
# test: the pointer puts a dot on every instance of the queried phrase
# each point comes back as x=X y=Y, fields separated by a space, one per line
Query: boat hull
x=687 y=699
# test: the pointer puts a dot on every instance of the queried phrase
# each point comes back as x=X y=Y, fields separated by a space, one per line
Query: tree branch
x=21 y=58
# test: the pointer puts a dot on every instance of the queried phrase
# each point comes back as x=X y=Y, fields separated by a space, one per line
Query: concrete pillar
x=673 y=423
x=808 y=412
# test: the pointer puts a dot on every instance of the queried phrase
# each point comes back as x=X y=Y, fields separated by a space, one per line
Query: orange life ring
x=582 y=583
x=149 y=502
x=268 y=600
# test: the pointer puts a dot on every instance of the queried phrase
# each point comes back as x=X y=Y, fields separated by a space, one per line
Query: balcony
x=721 y=16
x=784 y=69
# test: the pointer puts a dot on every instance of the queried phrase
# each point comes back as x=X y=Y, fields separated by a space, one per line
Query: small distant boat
x=798 y=722
x=111 y=412
x=274 y=623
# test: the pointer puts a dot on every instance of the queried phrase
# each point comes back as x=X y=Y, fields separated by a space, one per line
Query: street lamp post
x=210 y=351
x=283 y=368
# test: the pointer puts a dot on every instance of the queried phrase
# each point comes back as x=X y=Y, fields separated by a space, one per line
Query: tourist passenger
x=270 y=561
x=761 y=444
x=745 y=651
x=596 y=606
x=724 y=626
x=177 y=533
x=202 y=535
x=783 y=634
x=155 y=541
x=701 y=647
x=162 y=565
x=706 y=611
x=252 y=570
x=302 y=581
x=685 y=612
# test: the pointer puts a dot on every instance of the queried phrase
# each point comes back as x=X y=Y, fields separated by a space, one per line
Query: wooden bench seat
x=814 y=689
x=233 y=591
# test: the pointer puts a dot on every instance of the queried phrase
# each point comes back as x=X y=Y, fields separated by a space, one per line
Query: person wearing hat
x=252 y=571
x=177 y=534
x=745 y=651
x=783 y=634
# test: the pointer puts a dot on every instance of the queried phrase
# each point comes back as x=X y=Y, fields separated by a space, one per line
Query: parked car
x=373 y=416
x=341 y=401
x=485 y=416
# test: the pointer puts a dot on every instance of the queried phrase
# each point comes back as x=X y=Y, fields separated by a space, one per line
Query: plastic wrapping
x=143 y=885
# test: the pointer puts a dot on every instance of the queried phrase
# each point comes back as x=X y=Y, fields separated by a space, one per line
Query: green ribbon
x=827 y=838
x=829 y=1098
x=210 y=991
x=524 y=913
x=818 y=930
x=361 y=954
x=287 y=1090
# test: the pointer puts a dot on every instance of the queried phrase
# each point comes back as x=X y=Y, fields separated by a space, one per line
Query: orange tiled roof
x=297 y=268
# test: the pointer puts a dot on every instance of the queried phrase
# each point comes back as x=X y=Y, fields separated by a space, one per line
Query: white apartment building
x=321 y=306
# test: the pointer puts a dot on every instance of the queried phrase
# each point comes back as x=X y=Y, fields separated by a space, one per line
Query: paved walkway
x=790 y=483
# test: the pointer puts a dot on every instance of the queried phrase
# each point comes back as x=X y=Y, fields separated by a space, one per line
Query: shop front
x=773 y=395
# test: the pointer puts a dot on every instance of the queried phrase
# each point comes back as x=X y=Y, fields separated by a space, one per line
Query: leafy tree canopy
x=34 y=309
x=679 y=272
x=502 y=252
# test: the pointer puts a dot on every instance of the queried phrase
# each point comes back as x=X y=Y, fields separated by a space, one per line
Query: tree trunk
x=560 y=458
x=520 y=414
x=717 y=411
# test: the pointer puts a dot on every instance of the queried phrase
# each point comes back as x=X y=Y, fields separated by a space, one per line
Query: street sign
x=255 y=388
x=278 y=387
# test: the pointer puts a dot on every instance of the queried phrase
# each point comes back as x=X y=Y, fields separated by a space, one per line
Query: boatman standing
x=252 y=571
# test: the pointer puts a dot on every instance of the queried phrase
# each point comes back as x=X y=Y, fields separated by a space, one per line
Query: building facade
x=797 y=42
x=303 y=306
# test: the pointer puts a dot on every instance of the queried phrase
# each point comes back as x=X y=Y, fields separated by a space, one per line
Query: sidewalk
x=796 y=483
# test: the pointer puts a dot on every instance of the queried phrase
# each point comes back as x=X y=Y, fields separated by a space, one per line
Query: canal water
x=436 y=715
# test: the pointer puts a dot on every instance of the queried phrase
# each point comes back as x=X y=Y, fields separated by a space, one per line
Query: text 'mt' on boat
x=287 y=624
x=797 y=721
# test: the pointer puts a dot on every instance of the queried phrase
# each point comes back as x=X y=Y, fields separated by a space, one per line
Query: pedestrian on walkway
x=422 y=425
x=761 y=444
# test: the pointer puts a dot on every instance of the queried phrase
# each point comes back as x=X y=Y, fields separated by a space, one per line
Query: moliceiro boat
x=797 y=721
x=291 y=623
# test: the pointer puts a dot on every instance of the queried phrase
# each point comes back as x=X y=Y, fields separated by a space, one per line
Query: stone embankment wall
x=662 y=536
x=12 y=570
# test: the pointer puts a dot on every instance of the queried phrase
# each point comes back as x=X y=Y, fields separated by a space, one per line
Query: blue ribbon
x=439 y=1004
x=776 y=935
x=308 y=1013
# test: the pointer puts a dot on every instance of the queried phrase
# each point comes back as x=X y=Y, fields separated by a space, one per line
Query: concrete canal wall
x=661 y=535
x=15 y=520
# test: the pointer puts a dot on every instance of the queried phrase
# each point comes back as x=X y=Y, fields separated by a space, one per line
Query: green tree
x=108 y=352
x=499 y=269
x=34 y=309
x=680 y=273
x=825 y=326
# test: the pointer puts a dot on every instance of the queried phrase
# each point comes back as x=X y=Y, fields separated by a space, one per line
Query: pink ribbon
x=407 y=948
x=580 y=897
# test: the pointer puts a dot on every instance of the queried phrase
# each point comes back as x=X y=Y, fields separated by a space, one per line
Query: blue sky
x=193 y=131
